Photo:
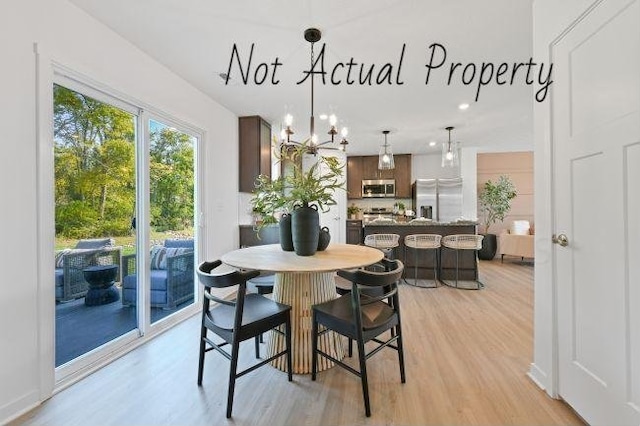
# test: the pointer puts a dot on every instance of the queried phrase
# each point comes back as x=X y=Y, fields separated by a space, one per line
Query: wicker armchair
x=170 y=286
x=69 y=278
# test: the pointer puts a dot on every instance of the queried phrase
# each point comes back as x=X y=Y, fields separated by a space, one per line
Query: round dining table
x=301 y=282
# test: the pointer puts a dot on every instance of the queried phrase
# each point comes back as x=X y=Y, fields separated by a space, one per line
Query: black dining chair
x=246 y=317
x=370 y=309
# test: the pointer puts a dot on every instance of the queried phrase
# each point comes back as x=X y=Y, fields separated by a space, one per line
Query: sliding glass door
x=95 y=192
x=125 y=227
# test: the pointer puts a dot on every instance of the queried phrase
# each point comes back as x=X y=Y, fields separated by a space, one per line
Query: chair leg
x=415 y=266
x=400 y=353
x=235 y=348
x=287 y=330
x=257 y=345
x=314 y=346
x=363 y=377
x=350 y=348
x=203 y=334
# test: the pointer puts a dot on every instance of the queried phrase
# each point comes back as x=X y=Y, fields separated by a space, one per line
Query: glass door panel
x=95 y=191
x=171 y=219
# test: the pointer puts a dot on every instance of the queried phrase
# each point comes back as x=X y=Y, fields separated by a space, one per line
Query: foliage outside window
x=95 y=187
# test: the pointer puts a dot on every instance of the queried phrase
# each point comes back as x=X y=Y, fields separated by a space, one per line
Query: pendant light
x=313 y=35
x=450 y=151
x=385 y=159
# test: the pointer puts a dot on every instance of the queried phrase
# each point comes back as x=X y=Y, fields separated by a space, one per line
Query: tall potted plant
x=302 y=192
x=495 y=203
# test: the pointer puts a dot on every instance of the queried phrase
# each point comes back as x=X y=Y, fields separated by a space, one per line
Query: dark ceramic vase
x=286 y=241
x=489 y=247
x=323 y=239
x=304 y=230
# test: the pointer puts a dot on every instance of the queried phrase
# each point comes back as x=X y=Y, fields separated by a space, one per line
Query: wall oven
x=381 y=188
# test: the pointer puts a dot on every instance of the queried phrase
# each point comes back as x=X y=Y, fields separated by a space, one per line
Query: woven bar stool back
x=458 y=243
x=418 y=242
x=384 y=242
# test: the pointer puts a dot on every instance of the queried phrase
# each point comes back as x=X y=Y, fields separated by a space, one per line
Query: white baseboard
x=539 y=377
x=19 y=406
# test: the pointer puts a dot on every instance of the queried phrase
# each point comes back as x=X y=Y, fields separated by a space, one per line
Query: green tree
x=94 y=166
x=95 y=188
x=172 y=177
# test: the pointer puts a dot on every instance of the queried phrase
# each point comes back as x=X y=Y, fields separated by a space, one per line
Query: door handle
x=560 y=239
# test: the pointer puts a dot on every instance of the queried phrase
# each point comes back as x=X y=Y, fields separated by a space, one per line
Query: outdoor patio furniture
x=172 y=275
x=70 y=263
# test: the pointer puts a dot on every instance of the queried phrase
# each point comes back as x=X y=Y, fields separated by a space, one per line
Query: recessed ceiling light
x=463 y=106
x=432 y=143
x=323 y=116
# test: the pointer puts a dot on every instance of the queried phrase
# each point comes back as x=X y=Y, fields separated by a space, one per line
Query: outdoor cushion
x=159 y=255
x=179 y=243
x=60 y=257
x=158 y=280
x=59 y=282
x=95 y=243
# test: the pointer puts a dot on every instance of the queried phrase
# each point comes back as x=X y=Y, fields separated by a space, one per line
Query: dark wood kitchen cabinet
x=402 y=175
x=254 y=149
x=354 y=232
x=370 y=169
x=366 y=167
x=354 y=177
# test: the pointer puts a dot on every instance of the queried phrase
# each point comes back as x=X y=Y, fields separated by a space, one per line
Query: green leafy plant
x=353 y=210
x=299 y=186
x=495 y=200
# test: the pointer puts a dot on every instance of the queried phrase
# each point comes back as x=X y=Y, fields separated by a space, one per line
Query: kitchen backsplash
x=367 y=205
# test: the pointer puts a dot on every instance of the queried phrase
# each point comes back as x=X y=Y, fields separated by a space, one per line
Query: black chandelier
x=313 y=35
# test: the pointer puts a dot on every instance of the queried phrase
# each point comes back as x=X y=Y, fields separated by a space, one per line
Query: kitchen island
x=424 y=259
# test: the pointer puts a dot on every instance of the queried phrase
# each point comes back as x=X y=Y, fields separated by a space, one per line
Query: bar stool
x=462 y=242
x=383 y=242
x=423 y=242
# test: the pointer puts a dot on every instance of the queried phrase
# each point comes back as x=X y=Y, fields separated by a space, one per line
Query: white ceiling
x=194 y=38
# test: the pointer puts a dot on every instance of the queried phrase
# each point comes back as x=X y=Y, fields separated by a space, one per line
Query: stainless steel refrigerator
x=438 y=199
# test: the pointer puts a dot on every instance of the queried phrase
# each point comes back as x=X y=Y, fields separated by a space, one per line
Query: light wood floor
x=467 y=354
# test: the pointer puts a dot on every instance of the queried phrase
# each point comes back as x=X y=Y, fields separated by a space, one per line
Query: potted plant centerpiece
x=302 y=192
x=495 y=203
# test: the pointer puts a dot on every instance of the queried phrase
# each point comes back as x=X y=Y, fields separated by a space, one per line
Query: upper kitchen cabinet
x=370 y=169
x=402 y=175
x=354 y=177
x=366 y=168
x=255 y=151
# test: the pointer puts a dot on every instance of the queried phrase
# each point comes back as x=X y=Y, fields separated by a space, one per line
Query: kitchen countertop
x=422 y=223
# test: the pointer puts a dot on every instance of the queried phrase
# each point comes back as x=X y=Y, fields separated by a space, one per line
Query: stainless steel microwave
x=381 y=188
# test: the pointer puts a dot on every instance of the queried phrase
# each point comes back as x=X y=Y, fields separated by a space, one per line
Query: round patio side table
x=101 y=289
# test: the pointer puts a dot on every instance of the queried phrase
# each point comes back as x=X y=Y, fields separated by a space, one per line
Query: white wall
x=550 y=19
x=469 y=175
x=68 y=36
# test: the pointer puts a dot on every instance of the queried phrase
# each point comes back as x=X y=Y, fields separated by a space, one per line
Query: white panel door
x=596 y=140
x=336 y=218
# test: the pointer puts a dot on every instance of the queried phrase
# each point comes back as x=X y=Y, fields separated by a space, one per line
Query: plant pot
x=489 y=247
x=286 y=240
x=323 y=239
x=305 y=222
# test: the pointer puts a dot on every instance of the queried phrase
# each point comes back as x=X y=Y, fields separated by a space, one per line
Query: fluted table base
x=301 y=290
